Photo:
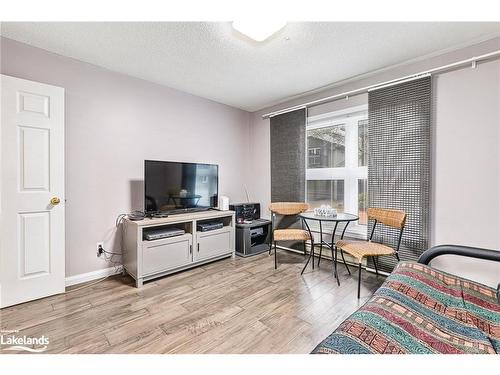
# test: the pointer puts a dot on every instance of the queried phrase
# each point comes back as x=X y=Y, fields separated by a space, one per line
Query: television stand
x=146 y=260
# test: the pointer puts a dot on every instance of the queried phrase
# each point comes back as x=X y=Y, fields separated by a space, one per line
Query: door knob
x=55 y=201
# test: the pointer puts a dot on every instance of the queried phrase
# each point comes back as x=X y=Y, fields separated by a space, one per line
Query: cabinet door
x=164 y=255
x=213 y=243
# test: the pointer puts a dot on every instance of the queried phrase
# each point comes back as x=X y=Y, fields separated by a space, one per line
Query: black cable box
x=205 y=227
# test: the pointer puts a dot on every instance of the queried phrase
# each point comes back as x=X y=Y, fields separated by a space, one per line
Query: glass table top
x=339 y=217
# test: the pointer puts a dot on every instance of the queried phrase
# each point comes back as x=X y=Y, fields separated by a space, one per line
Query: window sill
x=357 y=234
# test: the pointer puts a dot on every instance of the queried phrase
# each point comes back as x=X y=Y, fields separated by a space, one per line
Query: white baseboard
x=94 y=275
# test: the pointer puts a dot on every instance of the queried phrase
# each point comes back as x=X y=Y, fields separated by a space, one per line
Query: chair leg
x=312 y=252
x=334 y=250
x=320 y=251
x=335 y=273
x=375 y=263
x=309 y=258
x=345 y=263
x=270 y=246
x=304 y=247
x=275 y=257
x=359 y=280
x=397 y=256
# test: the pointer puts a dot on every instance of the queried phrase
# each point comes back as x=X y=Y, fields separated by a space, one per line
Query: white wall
x=466 y=162
x=113 y=123
x=466 y=178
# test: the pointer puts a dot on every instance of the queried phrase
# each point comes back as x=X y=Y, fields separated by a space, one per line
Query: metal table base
x=331 y=246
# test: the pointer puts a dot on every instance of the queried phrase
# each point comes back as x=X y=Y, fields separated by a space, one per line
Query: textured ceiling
x=214 y=61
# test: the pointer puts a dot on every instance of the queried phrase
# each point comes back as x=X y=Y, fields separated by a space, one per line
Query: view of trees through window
x=326 y=147
x=363 y=143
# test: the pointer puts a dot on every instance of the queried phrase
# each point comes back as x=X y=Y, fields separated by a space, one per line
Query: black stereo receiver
x=205 y=227
x=245 y=212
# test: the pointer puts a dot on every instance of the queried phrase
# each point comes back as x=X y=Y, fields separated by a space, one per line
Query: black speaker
x=245 y=212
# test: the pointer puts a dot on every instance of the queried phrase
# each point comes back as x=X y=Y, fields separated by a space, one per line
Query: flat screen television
x=174 y=187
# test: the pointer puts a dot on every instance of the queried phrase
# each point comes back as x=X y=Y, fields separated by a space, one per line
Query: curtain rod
x=362 y=90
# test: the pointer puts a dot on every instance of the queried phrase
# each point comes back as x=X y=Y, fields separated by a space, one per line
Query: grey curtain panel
x=288 y=157
x=288 y=164
x=399 y=167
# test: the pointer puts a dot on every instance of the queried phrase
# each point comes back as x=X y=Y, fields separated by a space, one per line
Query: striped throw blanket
x=419 y=309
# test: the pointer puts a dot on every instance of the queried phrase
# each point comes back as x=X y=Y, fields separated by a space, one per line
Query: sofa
x=419 y=309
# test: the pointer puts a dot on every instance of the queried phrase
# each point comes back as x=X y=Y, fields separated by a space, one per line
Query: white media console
x=145 y=260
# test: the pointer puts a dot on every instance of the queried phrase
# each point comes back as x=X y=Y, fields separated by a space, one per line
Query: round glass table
x=339 y=218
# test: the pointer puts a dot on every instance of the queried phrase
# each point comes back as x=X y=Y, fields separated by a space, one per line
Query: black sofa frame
x=465 y=251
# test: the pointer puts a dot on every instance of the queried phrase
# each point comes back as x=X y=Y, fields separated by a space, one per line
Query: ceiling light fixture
x=258 y=30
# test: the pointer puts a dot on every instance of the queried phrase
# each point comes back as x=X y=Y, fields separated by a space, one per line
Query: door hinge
x=190 y=249
x=198 y=247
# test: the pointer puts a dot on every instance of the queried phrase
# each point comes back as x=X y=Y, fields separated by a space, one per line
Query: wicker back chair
x=288 y=209
x=360 y=249
x=389 y=217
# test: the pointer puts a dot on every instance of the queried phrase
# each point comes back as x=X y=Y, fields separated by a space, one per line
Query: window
x=337 y=163
x=363 y=143
x=326 y=147
x=326 y=192
x=314 y=157
x=362 y=201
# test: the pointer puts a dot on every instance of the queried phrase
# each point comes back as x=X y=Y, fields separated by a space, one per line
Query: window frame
x=351 y=172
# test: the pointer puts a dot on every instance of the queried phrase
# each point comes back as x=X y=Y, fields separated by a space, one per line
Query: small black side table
x=253 y=238
x=339 y=218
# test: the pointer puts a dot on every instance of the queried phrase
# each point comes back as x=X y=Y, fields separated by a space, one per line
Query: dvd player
x=205 y=227
x=163 y=233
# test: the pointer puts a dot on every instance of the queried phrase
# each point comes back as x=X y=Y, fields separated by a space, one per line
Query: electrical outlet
x=99 y=248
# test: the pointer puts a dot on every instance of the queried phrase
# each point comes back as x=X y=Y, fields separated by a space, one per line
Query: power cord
x=117 y=265
x=108 y=255
x=101 y=251
x=90 y=284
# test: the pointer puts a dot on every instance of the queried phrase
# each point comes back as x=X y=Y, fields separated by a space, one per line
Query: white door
x=31 y=190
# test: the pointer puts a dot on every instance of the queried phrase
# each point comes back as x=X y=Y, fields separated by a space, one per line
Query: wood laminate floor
x=237 y=305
